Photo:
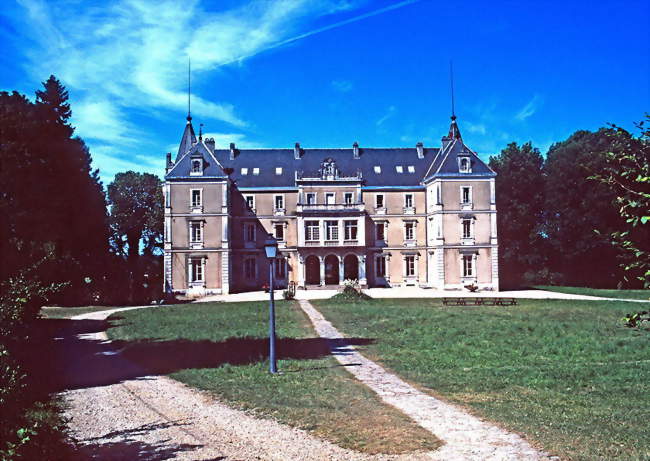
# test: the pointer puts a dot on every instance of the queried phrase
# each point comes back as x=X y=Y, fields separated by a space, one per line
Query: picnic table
x=479 y=301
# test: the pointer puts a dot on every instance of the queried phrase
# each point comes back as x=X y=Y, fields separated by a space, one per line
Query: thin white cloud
x=478 y=128
x=102 y=120
x=529 y=109
x=389 y=113
x=343 y=86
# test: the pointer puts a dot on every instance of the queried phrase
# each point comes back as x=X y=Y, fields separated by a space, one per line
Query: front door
x=331 y=270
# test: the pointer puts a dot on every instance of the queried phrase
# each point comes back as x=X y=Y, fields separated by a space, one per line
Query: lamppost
x=271 y=249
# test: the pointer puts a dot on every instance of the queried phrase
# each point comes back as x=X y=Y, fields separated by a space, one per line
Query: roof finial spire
x=200 y=131
x=451 y=80
x=189 y=87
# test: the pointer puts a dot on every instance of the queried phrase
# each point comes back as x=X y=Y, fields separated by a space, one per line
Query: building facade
x=383 y=216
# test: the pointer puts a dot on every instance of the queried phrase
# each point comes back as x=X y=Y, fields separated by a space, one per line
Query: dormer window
x=411 y=169
x=399 y=169
x=244 y=171
x=278 y=170
x=197 y=167
x=464 y=165
x=256 y=171
x=377 y=169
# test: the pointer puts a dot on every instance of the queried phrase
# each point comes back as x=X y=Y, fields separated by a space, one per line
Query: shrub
x=351 y=292
x=288 y=295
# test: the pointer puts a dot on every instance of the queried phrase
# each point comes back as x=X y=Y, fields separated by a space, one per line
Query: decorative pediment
x=328 y=169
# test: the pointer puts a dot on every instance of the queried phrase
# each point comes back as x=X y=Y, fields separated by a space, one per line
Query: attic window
x=377 y=169
x=197 y=167
x=464 y=165
x=399 y=169
x=244 y=171
x=256 y=171
x=278 y=170
x=411 y=169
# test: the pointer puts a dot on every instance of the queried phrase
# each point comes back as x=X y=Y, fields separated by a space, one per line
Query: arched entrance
x=351 y=267
x=312 y=270
x=331 y=270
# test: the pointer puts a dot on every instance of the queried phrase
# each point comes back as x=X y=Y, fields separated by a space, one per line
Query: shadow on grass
x=64 y=355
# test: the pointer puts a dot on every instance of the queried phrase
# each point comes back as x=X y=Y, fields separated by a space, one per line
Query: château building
x=420 y=216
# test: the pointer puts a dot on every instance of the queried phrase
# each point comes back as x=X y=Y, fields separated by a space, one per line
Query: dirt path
x=117 y=412
x=466 y=437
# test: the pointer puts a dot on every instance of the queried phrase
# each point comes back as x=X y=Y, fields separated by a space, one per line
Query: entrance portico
x=332 y=268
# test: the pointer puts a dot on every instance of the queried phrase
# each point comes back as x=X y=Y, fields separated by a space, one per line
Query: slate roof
x=435 y=162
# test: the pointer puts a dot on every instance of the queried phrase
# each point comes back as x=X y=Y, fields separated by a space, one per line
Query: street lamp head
x=271 y=247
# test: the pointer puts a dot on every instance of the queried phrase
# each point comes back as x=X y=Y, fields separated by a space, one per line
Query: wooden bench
x=476 y=301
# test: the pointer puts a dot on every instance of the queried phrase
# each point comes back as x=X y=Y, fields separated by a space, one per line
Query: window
x=280 y=268
x=399 y=169
x=377 y=169
x=331 y=230
x=330 y=198
x=312 y=231
x=468 y=266
x=350 y=230
x=250 y=268
x=279 y=202
x=465 y=195
x=408 y=200
x=411 y=169
x=311 y=198
x=197 y=166
x=196 y=270
x=196 y=232
x=279 y=231
x=409 y=230
x=380 y=231
x=249 y=232
x=250 y=202
x=380 y=266
x=244 y=171
x=347 y=198
x=464 y=165
x=409 y=266
x=379 y=201
x=256 y=171
x=196 y=197
x=278 y=170
x=467 y=228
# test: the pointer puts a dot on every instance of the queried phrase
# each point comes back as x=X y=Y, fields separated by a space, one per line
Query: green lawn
x=68 y=312
x=618 y=294
x=222 y=348
x=565 y=373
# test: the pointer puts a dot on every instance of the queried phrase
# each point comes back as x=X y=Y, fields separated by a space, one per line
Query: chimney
x=233 y=151
x=170 y=164
x=209 y=143
x=420 y=148
x=296 y=151
x=355 y=149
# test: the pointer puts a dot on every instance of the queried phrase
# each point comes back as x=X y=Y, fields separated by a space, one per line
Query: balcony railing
x=331 y=243
x=315 y=207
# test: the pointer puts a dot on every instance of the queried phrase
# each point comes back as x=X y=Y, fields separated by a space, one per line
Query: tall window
x=196 y=197
x=250 y=201
x=468 y=266
x=279 y=202
x=347 y=198
x=250 y=268
x=311 y=198
x=279 y=231
x=465 y=194
x=312 y=231
x=350 y=228
x=249 y=232
x=409 y=230
x=196 y=269
x=379 y=201
x=331 y=230
x=330 y=198
x=380 y=266
x=280 y=268
x=408 y=200
x=380 y=231
x=467 y=228
x=196 y=232
x=409 y=266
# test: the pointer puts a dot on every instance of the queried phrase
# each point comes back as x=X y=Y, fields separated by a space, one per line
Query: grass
x=313 y=393
x=618 y=294
x=49 y=312
x=565 y=373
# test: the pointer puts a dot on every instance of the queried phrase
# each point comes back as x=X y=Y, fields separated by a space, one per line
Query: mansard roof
x=212 y=167
x=188 y=139
x=447 y=162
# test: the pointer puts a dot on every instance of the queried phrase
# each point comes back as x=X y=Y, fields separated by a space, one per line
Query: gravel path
x=466 y=437
x=131 y=416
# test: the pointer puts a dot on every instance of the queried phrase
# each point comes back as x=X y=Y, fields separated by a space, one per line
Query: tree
x=520 y=205
x=580 y=214
x=627 y=171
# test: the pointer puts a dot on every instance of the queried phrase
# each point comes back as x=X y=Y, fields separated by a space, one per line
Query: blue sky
x=327 y=73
